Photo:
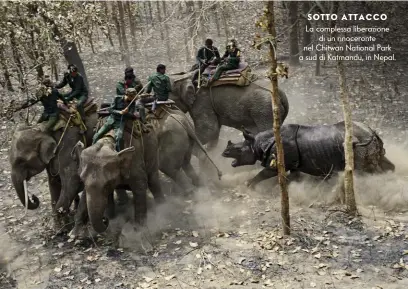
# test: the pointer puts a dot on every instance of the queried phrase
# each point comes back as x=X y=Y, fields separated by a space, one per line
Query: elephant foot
x=78 y=232
x=110 y=212
x=123 y=199
x=62 y=223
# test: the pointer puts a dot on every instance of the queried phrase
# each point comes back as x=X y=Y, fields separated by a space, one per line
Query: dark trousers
x=51 y=120
x=200 y=71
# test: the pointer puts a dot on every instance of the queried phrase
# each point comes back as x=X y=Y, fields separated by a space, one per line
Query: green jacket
x=121 y=86
x=161 y=85
x=77 y=85
x=118 y=105
x=233 y=57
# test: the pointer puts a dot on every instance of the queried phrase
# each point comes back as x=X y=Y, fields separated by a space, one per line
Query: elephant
x=176 y=137
x=314 y=150
x=34 y=150
x=229 y=105
x=102 y=170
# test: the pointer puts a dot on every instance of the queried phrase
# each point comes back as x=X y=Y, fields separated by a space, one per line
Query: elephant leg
x=110 y=210
x=122 y=196
x=81 y=217
x=155 y=187
x=261 y=176
x=139 y=190
x=179 y=178
x=54 y=184
x=191 y=173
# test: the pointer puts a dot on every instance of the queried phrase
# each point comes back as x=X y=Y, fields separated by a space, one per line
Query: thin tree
x=293 y=33
x=125 y=50
x=267 y=22
x=348 y=139
x=132 y=24
x=307 y=36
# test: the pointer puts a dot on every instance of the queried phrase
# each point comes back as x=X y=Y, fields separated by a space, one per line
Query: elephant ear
x=47 y=149
x=125 y=161
x=188 y=93
x=77 y=150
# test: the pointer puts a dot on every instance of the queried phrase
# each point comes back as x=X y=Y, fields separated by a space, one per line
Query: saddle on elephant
x=69 y=113
x=241 y=76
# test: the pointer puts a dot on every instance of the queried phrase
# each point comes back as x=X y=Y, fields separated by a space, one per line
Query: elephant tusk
x=26 y=197
x=273 y=163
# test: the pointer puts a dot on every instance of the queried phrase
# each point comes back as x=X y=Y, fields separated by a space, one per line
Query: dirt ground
x=228 y=236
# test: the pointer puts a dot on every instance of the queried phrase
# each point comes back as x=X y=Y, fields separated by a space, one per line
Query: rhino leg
x=386 y=164
x=265 y=174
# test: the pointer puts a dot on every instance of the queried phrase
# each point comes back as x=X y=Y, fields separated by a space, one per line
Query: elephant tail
x=189 y=129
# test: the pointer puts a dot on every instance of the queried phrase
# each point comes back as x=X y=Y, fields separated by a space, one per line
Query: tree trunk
x=54 y=68
x=201 y=27
x=69 y=48
x=149 y=4
x=6 y=73
x=293 y=34
x=191 y=26
x=117 y=25
x=216 y=19
x=146 y=13
x=164 y=36
x=164 y=8
x=17 y=59
x=276 y=122
x=315 y=41
x=108 y=28
x=224 y=22
x=307 y=36
x=132 y=25
x=125 y=50
x=348 y=137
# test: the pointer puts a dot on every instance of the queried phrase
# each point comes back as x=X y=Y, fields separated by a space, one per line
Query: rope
x=63 y=133
x=138 y=94
x=196 y=140
x=131 y=135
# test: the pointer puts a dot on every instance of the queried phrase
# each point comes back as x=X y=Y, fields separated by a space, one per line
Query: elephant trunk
x=69 y=191
x=18 y=183
x=96 y=207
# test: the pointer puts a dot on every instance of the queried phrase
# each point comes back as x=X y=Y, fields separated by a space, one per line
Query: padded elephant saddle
x=67 y=111
x=241 y=76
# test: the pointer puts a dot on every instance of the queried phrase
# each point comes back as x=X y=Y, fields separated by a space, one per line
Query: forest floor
x=228 y=236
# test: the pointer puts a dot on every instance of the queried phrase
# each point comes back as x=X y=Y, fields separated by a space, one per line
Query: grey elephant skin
x=228 y=105
x=177 y=138
x=103 y=170
x=314 y=150
x=33 y=151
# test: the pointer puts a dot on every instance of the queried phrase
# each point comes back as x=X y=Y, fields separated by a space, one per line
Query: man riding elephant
x=130 y=81
x=161 y=85
x=79 y=90
x=231 y=60
x=206 y=55
x=48 y=97
x=121 y=110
